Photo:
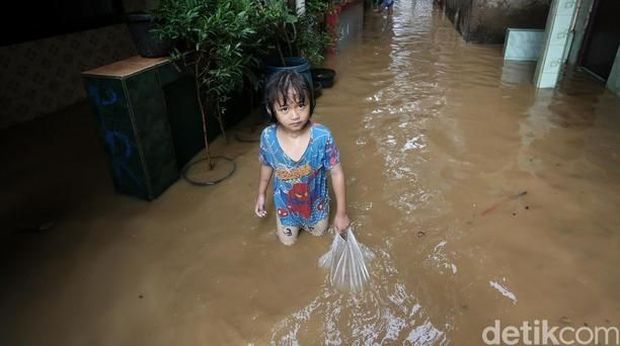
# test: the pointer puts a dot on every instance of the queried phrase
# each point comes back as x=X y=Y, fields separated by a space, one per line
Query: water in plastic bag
x=347 y=262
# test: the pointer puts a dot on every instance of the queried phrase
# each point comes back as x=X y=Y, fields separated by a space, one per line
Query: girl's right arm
x=263 y=182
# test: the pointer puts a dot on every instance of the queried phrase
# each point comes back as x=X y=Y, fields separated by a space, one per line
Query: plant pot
x=323 y=76
x=318 y=90
x=147 y=44
x=293 y=63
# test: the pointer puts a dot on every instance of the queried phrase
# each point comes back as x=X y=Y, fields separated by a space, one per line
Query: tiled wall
x=43 y=76
x=613 y=82
x=557 y=31
x=523 y=44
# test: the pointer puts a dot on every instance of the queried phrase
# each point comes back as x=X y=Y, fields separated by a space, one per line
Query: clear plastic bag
x=347 y=261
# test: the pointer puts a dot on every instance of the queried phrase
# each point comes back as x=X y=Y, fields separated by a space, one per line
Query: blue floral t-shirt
x=300 y=192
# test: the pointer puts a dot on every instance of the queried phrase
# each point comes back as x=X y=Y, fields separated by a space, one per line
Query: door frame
x=588 y=33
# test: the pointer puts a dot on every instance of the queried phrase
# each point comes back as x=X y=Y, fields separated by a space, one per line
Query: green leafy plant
x=293 y=34
x=222 y=42
x=217 y=44
x=312 y=38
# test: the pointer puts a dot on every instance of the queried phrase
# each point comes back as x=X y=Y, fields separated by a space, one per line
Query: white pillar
x=300 y=6
x=557 y=33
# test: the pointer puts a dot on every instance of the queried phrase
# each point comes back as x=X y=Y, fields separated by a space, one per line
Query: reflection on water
x=382 y=313
x=438 y=137
x=517 y=72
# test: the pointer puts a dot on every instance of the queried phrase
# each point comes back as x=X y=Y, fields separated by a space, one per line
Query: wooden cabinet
x=146 y=140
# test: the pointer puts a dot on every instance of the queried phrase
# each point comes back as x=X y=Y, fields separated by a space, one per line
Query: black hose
x=208 y=183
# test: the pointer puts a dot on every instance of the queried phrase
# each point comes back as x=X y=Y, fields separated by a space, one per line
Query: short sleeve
x=264 y=155
x=332 y=154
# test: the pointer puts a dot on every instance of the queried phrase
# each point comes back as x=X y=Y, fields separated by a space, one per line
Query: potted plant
x=316 y=39
x=296 y=40
x=140 y=23
x=217 y=44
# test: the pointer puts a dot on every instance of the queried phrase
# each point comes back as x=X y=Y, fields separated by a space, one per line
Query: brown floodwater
x=482 y=198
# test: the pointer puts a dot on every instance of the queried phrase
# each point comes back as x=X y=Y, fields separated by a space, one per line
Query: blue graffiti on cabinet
x=119 y=145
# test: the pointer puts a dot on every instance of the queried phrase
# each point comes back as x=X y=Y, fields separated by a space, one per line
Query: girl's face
x=293 y=113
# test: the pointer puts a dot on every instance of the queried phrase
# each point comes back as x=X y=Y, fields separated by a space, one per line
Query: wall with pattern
x=486 y=21
x=43 y=76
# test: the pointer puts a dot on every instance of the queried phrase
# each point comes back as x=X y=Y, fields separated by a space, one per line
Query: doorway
x=602 y=38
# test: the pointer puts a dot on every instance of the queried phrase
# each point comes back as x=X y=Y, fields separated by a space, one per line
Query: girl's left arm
x=341 y=219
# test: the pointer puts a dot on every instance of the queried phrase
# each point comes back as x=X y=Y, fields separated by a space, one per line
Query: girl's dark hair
x=280 y=84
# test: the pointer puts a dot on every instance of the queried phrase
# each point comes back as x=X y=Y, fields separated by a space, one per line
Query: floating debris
x=504 y=291
x=502 y=201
